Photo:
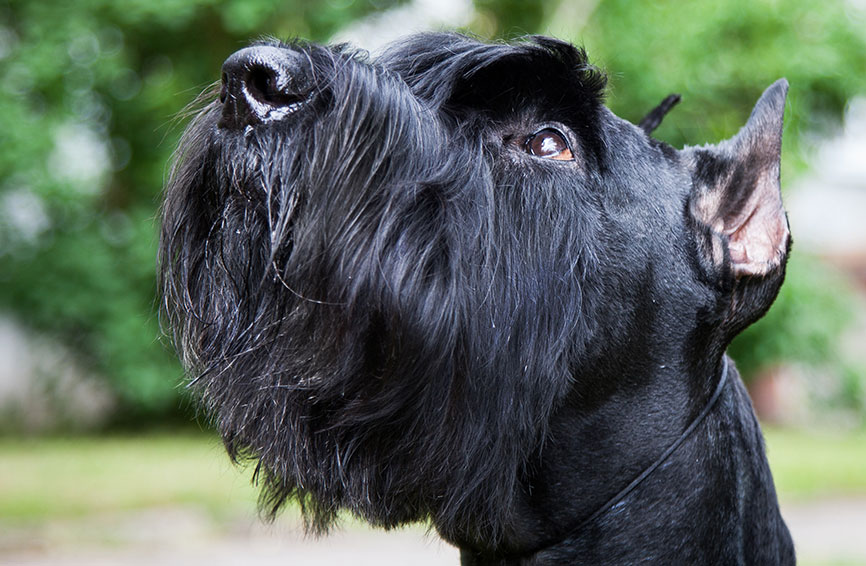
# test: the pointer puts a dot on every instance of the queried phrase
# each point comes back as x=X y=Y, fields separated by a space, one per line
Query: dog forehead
x=448 y=67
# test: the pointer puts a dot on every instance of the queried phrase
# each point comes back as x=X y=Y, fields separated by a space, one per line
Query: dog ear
x=736 y=196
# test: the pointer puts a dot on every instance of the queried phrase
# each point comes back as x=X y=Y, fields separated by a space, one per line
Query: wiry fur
x=346 y=288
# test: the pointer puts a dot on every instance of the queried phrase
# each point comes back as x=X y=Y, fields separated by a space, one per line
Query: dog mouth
x=261 y=84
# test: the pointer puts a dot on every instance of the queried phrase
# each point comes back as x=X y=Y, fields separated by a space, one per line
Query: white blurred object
x=375 y=31
x=827 y=208
x=81 y=157
x=44 y=387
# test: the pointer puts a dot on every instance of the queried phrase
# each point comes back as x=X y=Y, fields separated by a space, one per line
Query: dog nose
x=261 y=84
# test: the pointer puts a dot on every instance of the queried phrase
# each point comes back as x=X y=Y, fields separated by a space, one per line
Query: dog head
x=386 y=275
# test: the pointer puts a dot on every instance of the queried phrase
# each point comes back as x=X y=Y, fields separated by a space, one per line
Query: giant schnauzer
x=448 y=284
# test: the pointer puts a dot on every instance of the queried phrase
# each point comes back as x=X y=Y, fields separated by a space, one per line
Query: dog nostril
x=263 y=84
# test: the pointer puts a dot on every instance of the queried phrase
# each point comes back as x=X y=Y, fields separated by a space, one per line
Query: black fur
x=393 y=308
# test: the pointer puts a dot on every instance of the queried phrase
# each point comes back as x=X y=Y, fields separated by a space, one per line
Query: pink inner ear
x=737 y=193
x=758 y=236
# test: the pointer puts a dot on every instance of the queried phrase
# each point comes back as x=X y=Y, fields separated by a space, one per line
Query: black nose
x=261 y=84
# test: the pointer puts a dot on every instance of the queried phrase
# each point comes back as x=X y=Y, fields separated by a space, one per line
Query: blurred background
x=103 y=459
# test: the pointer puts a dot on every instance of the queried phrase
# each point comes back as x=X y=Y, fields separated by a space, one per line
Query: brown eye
x=549 y=144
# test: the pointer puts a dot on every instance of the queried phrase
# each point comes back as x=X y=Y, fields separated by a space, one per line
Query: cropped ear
x=736 y=192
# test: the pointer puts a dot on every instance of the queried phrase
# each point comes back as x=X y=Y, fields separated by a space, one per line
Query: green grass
x=812 y=464
x=68 y=477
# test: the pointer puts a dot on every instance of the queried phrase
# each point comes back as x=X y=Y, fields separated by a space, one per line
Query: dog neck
x=618 y=499
x=606 y=474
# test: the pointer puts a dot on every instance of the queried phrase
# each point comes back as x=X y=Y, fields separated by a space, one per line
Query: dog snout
x=261 y=84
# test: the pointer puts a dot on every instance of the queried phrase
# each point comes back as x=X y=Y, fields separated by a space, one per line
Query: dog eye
x=549 y=144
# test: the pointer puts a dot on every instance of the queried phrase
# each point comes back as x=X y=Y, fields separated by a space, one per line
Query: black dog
x=449 y=284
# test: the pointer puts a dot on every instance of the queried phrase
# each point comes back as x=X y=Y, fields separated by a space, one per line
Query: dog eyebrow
x=652 y=120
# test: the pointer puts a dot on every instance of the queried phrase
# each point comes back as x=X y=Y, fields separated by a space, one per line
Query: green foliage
x=88 y=92
x=721 y=55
